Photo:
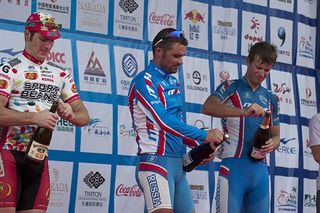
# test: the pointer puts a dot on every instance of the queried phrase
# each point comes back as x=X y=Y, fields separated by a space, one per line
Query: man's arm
x=9 y=117
x=74 y=112
x=316 y=153
x=213 y=107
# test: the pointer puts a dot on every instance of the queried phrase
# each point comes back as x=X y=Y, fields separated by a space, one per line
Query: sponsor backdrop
x=106 y=43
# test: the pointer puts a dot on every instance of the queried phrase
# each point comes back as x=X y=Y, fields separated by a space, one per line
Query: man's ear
x=158 y=52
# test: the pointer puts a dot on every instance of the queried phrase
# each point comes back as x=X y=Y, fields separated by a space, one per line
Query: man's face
x=38 y=45
x=258 y=71
x=171 y=59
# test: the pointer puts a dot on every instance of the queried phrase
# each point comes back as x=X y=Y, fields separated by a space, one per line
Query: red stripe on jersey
x=224 y=171
x=236 y=101
x=161 y=96
x=152 y=167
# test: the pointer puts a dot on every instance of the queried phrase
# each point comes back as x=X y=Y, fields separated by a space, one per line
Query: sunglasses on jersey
x=173 y=34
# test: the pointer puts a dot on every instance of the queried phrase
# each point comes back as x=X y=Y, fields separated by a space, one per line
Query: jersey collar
x=31 y=58
x=158 y=70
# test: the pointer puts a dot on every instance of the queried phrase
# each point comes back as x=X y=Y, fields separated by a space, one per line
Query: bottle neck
x=265 y=123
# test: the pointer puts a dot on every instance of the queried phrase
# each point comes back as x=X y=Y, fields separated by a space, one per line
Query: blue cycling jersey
x=238 y=93
x=156 y=107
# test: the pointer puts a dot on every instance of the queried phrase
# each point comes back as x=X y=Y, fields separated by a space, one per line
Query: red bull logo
x=194 y=16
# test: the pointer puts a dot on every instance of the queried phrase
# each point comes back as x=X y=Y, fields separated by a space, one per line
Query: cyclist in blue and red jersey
x=29 y=84
x=243 y=182
x=156 y=108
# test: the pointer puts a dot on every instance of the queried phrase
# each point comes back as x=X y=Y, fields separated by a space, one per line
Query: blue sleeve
x=275 y=109
x=147 y=97
x=225 y=90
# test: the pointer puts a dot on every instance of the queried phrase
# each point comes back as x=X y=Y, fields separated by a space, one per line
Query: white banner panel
x=196 y=79
x=213 y=206
x=128 y=62
x=309 y=195
x=92 y=16
x=126 y=135
x=94 y=67
x=253 y=30
x=282 y=86
x=93 y=188
x=258 y=2
x=308 y=160
x=286 y=5
x=128 y=18
x=287 y=154
x=223 y=71
x=161 y=16
x=308 y=8
x=224 y=29
x=15 y=10
x=97 y=135
x=60 y=185
x=285 y=194
x=281 y=37
x=307 y=95
x=128 y=197
x=306 y=46
x=199 y=186
x=60 y=10
x=8 y=49
x=195 y=23
x=61 y=54
x=63 y=137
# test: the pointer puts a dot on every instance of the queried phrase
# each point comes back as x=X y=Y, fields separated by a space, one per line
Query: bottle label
x=37 y=151
x=187 y=160
x=1 y=167
x=257 y=154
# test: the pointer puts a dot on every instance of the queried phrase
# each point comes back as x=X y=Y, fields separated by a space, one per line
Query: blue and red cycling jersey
x=156 y=108
x=238 y=93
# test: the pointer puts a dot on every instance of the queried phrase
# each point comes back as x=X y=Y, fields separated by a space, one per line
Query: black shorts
x=23 y=185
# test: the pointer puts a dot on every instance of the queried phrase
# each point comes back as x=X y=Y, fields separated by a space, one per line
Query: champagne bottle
x=260 y=137
x=194 y=157
x=37 y=148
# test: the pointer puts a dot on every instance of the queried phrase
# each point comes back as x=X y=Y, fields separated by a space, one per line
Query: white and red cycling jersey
x=31 y=86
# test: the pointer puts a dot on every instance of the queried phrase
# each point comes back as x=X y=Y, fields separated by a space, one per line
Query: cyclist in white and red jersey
x=28 y=86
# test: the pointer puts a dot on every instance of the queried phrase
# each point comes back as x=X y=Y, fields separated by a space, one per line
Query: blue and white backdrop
x=105 y=43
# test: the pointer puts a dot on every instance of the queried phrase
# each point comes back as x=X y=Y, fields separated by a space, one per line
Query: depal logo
x=255 y=29
x=129 y=65
x=128 y=5
x=94 y=179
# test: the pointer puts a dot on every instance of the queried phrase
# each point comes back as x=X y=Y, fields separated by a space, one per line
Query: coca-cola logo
x=130 y=191
x=165 y=19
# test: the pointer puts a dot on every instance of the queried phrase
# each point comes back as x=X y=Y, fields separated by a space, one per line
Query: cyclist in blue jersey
x=243 y=182
x=156 y=108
